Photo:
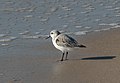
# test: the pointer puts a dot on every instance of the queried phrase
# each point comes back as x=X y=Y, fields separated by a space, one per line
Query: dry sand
x=98 y=63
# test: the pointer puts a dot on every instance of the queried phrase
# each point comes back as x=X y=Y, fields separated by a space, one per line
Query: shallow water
x=32 y=20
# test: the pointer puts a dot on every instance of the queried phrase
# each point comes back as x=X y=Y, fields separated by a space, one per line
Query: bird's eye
x=51 y=33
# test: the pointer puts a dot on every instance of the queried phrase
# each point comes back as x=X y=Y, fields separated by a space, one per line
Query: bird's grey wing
x=66 y=41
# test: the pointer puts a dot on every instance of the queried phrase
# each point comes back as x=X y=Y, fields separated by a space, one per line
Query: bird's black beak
x=47 y=37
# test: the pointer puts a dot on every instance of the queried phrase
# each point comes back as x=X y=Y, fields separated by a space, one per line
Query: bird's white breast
x=61 y=48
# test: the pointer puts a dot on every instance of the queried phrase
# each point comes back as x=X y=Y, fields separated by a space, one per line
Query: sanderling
x=63 y=42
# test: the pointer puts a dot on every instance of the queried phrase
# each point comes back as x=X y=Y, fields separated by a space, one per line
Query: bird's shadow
x=99 y=58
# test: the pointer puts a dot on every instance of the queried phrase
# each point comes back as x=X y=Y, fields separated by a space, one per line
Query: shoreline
x=98 y=63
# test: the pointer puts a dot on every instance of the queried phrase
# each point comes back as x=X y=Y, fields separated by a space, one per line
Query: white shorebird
x=63 y=42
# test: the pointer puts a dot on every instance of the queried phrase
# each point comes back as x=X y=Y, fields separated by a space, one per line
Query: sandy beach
x=98 y=63
x=27 y=57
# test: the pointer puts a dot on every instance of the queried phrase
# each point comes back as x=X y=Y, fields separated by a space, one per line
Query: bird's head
x=54 y=33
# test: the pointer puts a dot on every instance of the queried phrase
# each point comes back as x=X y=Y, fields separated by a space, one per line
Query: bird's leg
x=66 y=56
x=62 y=56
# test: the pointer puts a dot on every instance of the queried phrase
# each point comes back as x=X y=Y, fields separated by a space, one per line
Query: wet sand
x=98 y=63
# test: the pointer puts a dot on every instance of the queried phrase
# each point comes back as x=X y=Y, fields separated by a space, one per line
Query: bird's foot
x=59 y=60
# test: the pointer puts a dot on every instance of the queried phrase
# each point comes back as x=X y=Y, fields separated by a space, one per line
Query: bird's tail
x=82 y=46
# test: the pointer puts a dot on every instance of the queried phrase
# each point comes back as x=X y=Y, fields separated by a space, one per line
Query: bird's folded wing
x=66 y=41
